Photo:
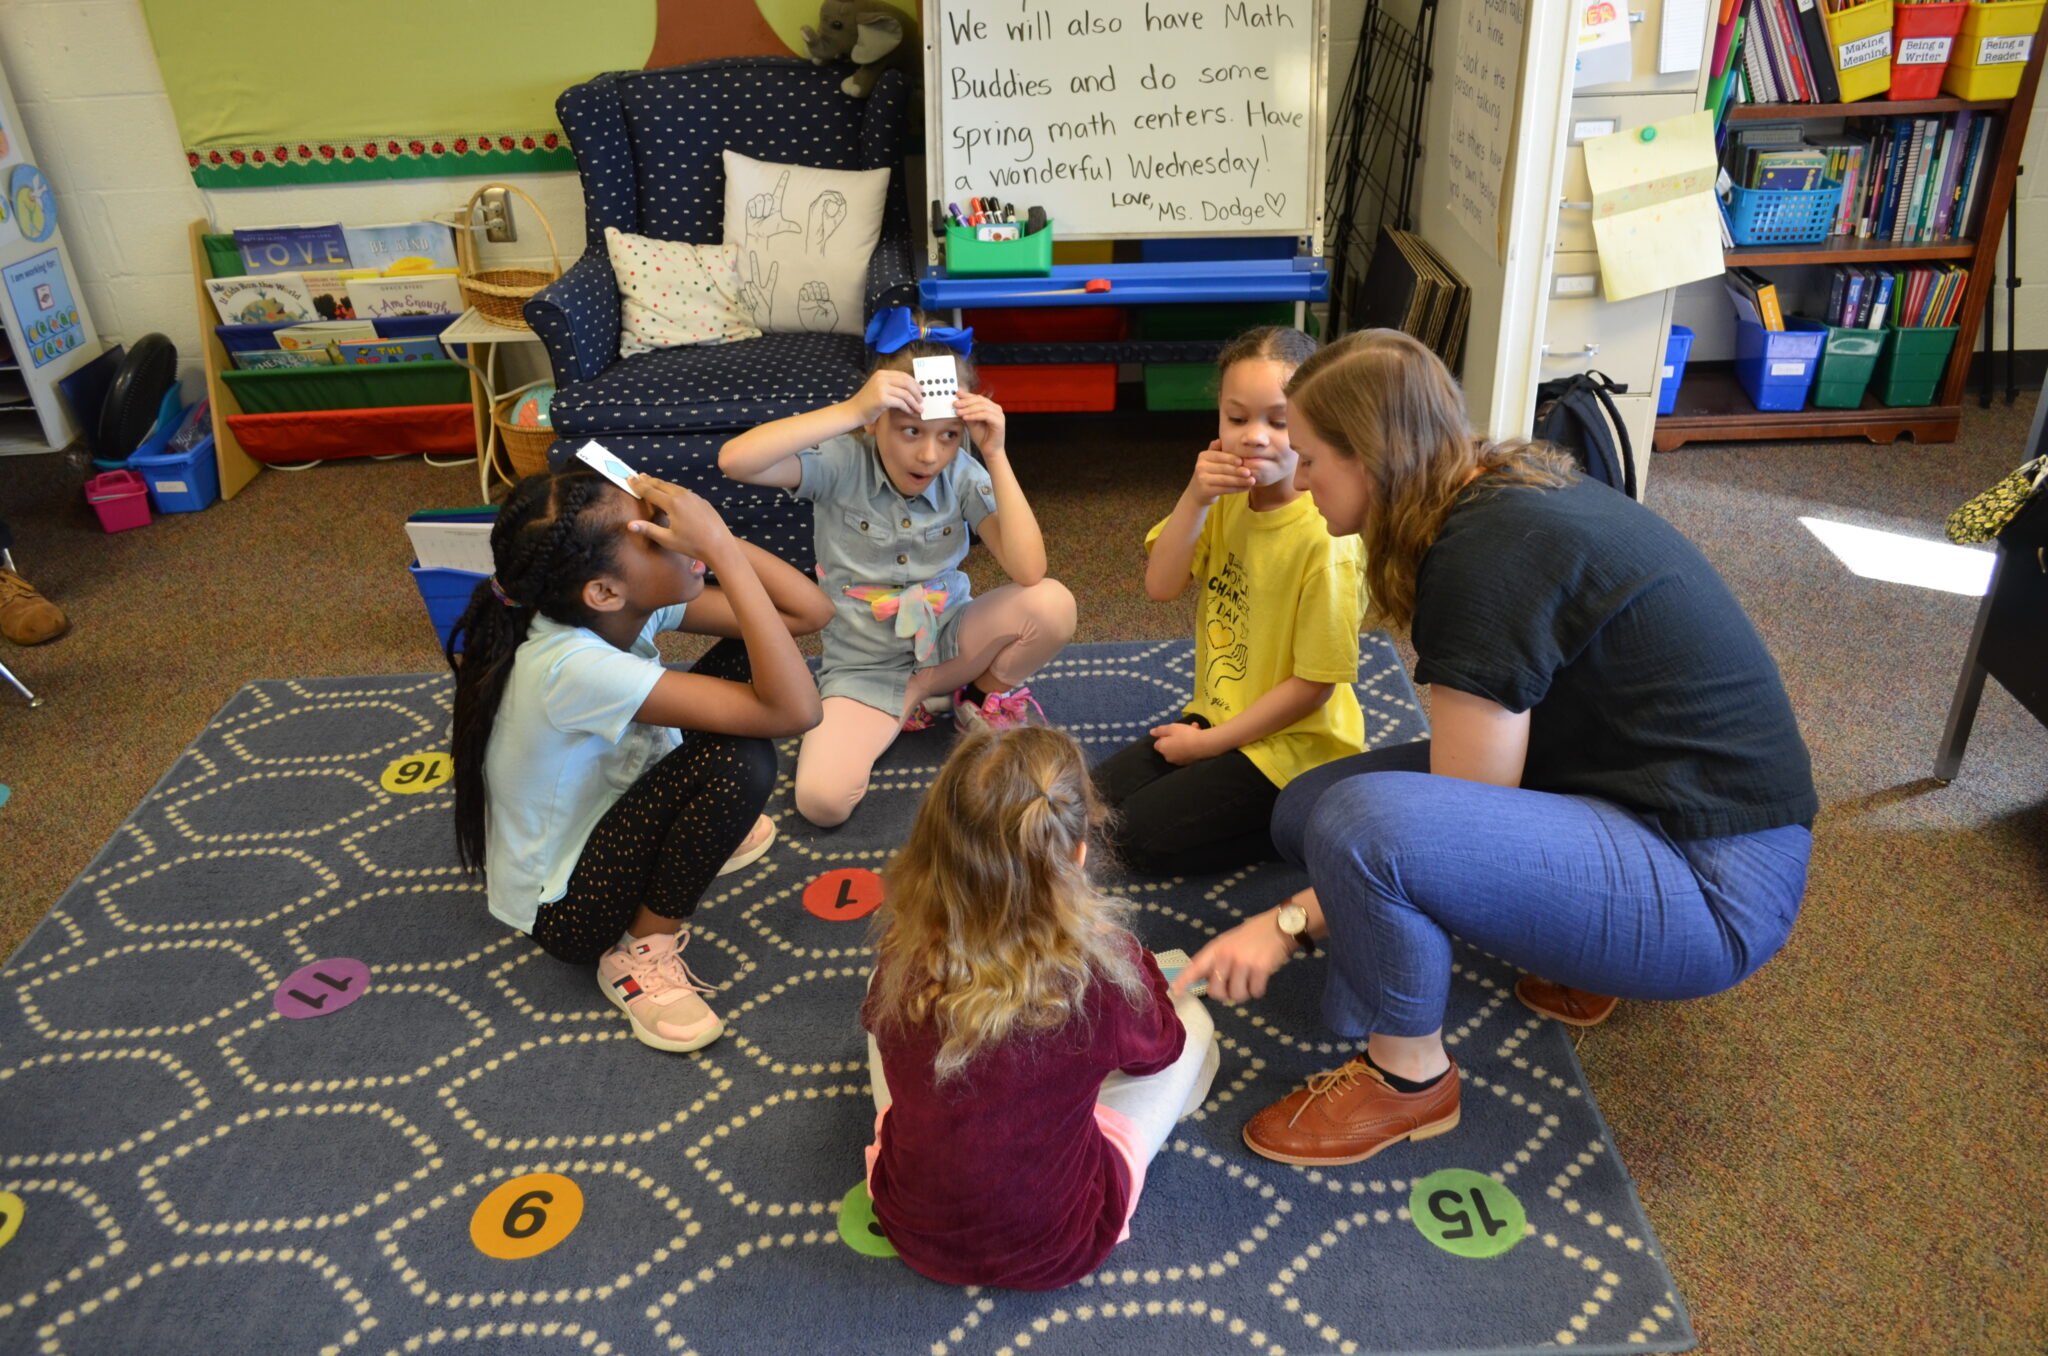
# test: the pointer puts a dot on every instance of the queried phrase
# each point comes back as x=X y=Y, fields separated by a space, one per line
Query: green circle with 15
x=857 y=1227
x=1467 y=1213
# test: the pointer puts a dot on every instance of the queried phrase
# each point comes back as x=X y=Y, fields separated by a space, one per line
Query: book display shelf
x=292 y=416
x=1712 y=406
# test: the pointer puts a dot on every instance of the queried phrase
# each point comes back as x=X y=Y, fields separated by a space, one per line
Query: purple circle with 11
x=322 y=988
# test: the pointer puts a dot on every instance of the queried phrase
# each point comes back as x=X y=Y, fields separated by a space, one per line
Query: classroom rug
x=272 y=1079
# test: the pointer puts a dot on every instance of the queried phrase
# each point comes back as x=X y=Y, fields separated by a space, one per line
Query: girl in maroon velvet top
x=1026 y=1058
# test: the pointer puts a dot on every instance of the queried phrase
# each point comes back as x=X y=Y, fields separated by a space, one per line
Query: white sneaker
x=752 y=848
x=645 y=978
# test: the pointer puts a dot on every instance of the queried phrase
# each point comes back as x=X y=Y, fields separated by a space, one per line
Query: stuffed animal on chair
x=875 y=36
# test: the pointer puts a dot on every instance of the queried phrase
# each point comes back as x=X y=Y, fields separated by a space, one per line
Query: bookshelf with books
x=1961 y=154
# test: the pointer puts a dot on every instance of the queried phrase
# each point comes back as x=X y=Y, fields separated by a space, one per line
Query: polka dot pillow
x=673 y=294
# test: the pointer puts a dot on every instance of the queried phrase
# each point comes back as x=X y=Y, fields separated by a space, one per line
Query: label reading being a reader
x=2006 y=50
x=1863 y=51
x=1923 y=51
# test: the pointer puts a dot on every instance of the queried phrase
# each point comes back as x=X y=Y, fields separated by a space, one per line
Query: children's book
x=404 y=248
x=261 y=300
x=320 y=333
x=269 y=359
x=451 y=545
x=367 y=352
x=416 y=294
x=330 y=291
x=291 y=249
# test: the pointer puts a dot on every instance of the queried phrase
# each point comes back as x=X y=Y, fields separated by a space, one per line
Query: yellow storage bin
x=1084 y=251
x=1991 y=51
x=1862 y=42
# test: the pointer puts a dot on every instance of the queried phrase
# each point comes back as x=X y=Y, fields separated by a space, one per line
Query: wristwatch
x=1292 y=920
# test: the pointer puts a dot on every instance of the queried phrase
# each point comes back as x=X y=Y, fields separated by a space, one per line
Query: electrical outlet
x=496 y=210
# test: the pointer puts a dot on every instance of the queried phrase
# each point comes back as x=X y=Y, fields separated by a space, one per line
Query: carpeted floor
x=1842 y=1155
x=326 y=1177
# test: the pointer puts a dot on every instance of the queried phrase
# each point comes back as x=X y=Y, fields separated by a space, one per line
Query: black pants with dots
x=662 y=842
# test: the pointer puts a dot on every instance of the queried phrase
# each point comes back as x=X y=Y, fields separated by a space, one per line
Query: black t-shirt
x=1647 y=685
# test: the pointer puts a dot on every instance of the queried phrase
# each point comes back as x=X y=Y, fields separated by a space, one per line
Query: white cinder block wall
x=92 y=100
x=93 y=103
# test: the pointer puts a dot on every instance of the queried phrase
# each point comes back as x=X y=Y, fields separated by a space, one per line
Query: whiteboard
x=1131 y=118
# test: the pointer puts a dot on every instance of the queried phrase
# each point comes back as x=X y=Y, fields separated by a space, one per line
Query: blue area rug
x=193 y=1172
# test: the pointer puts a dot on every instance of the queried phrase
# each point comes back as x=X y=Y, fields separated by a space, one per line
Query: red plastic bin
x=1922 y=36
x=1047 y=388
x=1048 y=324
x=332 y=435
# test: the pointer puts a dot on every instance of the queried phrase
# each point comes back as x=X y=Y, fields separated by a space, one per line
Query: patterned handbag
x=1984 y=517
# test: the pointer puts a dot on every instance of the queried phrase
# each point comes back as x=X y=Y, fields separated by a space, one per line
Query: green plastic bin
x=1847 y=358
x=1913 y=362
x=1180 y=386
x=1028 y=256
x=293 y=389
x=1209 y=319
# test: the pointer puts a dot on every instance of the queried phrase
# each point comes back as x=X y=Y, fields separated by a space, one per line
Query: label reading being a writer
x=1923 y=51
x=1863 y=51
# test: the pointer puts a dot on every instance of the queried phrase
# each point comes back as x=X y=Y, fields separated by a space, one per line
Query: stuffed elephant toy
x=874 y=36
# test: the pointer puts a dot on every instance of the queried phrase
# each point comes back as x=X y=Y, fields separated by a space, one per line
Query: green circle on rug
x=1467 y=1213
x=857 y=1227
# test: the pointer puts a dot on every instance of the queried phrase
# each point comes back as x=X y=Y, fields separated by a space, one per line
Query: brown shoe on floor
x=1573 y=1007
x=26 y=617
x=1348 y=1114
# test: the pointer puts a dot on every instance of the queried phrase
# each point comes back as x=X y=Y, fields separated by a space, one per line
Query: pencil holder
x=1862 y=43
x=1847 y=358
x=1992 y=49
x=1764 y=216
x=1028 y=256
x=1921 y=45
x=1914 y=359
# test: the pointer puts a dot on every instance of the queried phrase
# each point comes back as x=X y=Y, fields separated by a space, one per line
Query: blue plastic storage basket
x=180 y=482
x=1776 y=367
x=446 y=594
x=1676 y=349
x=1759 y=216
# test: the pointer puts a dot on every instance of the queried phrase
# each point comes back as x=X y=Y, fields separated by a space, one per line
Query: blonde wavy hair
x=992 y=928
x=1381 y=398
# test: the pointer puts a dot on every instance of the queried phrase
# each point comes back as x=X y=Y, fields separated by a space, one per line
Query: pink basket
x=121 y=498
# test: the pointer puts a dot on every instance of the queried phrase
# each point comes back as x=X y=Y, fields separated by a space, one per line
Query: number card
x=1171 y=963
x=596 y=456
x=939 y=379
x=526 y=1216
x=1467 y=1213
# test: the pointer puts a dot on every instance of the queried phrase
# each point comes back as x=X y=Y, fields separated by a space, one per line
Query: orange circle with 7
x=417 y=772
x=526 y=1216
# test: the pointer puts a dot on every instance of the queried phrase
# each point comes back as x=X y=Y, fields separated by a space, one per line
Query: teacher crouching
x=1615 y=795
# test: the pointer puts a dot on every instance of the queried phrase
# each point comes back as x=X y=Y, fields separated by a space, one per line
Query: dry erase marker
x=953 y=209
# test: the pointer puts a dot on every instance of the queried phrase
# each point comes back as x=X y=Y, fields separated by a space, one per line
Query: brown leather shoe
x=26 y=617
x=1348 y=1114
x=1573 y=1007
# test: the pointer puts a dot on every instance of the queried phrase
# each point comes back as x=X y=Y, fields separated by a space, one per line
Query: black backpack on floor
x=1577 y=413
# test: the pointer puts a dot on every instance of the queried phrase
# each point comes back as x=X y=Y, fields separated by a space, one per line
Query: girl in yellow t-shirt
x=1276 y=636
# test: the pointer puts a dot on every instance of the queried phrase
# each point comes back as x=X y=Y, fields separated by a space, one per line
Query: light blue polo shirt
x=563 y=749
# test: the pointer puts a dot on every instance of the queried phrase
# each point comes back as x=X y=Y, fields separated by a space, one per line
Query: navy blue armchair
x=648 y=146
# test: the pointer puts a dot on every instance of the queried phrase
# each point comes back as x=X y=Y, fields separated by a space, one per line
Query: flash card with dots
x=939 y=379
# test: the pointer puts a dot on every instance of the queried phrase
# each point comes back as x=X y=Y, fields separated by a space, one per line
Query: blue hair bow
x=891 y=329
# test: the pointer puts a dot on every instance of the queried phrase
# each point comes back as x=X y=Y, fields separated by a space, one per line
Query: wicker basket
x=526 y=448
x=499 y=294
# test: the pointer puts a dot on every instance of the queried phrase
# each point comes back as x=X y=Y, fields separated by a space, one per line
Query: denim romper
x=883 y=559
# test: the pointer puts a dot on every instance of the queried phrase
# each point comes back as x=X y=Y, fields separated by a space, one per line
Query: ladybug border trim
x=252 y=164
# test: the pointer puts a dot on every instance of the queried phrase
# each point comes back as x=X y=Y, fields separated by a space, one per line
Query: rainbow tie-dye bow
x=915 y=609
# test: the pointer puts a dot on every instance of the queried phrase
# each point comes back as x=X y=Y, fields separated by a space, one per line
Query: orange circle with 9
x=526 y=1216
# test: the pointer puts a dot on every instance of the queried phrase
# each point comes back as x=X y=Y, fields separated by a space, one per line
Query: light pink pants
x=1005 y=637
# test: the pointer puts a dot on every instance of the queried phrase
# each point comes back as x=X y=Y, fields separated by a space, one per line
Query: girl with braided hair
x=1026 y=1059
x=598 y=791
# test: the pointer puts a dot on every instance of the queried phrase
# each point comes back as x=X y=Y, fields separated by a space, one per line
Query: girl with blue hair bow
x=895 y=496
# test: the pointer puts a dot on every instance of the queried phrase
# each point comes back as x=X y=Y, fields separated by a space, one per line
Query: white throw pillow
x=672 y=294
x=804 y=237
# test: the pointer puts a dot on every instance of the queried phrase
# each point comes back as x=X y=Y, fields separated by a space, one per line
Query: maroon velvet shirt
x=1002 y=1178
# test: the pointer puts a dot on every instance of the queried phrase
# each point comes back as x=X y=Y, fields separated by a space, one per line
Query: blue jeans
x=1572 y=888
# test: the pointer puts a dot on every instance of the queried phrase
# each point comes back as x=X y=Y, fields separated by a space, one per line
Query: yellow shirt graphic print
x=1279 y=598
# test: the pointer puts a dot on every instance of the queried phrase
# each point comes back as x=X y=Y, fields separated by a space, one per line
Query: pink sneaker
x=646 y=979
x=752 y=848
x=1001 y=711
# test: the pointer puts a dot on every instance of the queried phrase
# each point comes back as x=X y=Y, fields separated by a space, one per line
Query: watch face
x=1293 y=918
